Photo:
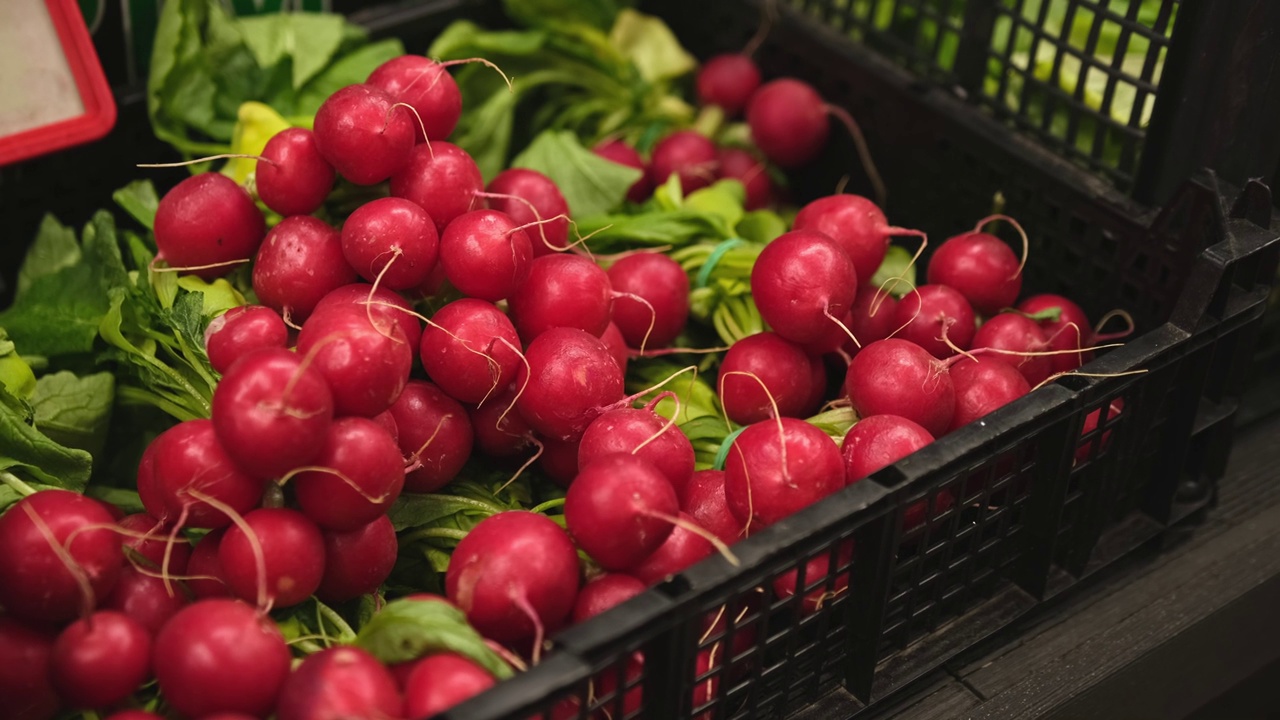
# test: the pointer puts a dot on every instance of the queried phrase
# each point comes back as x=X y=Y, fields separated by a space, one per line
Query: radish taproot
x=438 y=682
x=802 y=282
x=292 y=177
x=99 y=661
x=427 y=87
x=364 y=134
x=442 y=179
x=932 y=315
x=529 y=197
x=190 y=461
x=391 y=240
x=435 y=436
x=621 y=153
x=26 y=683
x=339 y=682
x=356 y=477
x=897 y=377
x=984 y=384
x=299 y=263
x=567 y=381
x=562 y=290
x=761 y=374
x=486 y=255
x=688 y=154
x=776 y=467
x=651 y=305
x=241 y=330
x=365 y=358
x=470 y=350
x=644 y=434
x=619 y=510
x=291 y=551
x=728 y=82
x=209 y=223
x=357 y=562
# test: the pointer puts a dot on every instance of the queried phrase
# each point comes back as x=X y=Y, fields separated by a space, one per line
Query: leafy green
x=75 y=411
x=599 y=14
x=16 y=375
x=590 y=184
x=139 y=199
x=26 y=450
x=897 y=263
x=53 y=249
x=408 y=629
x=651 y=46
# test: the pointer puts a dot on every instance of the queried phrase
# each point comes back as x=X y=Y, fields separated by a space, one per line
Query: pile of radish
x=448 y=323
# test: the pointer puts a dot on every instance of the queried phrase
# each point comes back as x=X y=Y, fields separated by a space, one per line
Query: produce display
x=435 y=355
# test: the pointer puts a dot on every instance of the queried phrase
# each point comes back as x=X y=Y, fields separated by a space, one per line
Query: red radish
x=776 y=467
x=605 y=592
x=100 y=660
x=153 y=548
x=741 y=165
x=562 y=290
x=241 y=330
x=728 y=81
x=619 y=510
x=1070 y=331
x=663 y=286
x=299 y=263
x=213 y=646
x=40 y=582
x=392 y=239
x=357 y=561
x=534 y=199
x=644 y=434
x=569 y=379
x=788 y=122
x=559 y=460
x=934 y=312
x=425 y=85
x=680 y=551
x=356 y=477
x=145 y=599
x=515 y=574
x=205 y=570
x=387 y=422
x=271 y=411
x=470 y=350
x=979 y=266
x=339 y=682
x=365 y=363
x=292 y=553
x=1015 y=338
x=686 y=153
x=983 y=385
x=25 y=681
x=442 y=179
x=802 y=282
x=856 y=224
x=485 y=255
x=438 y=682
x=383 y=303
x=623 y=154
x=867 y=327
x=818 y=579
x=205 y=220
x=878 y=441
x=436 y=436
x=500 y=431
x=817 y=385
x=897 y=377
x=781 y=373
x=617 y=345
x=189 y=458
x=624 y=701
x=705 y=502
x=1085 y=449
x=363 y=134
x=292 y=177
x=144 y=715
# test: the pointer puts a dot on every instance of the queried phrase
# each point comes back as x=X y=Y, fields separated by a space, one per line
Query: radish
x=705 y=502
x=424 y=85
x=688 y=154
x=681 y=550
x=728 y=81
x=878 y=441
x=515 y=575
x=620 y=509
x=145 y=599
x=740 y=165
x=1069 y=331
x=153 y=547
x=387 y=421
x=981 y=267
x=436 y=436
x=99 y=661
x=802 y=282
x=856 y=224
x=984 y=384
x=292 y=177
x=644 y=434
x=897 y=377
x=568 y=379
x=623 y=154
x=241 y=330
x=356 y=477
x=603 y=593
x=299 y=263
x=531 y=197
x=392 y=239
x=25 y=681
x=209 y=223
x=652 y=303
x=212 y=647
x=761 y=373
x=363 y=134
x=442 y=179
x=205 y=570
x=357 y=561
x=271 y=411
x=382 y=303
x=366 y=362
x=1085 y=449
x=339 y=682
x=1014 y=339
x=438 y=682
x=821 y=587
x=190 y=459
x=500 y=431
x=617 y=345
x=868 y=327
x=933 y=314
x=292 y=557
x=485 y=255
x=43 y=578
x=470 y=350
x=559 y=460
x=144 y=715
x=562 y=290
x=776 y=467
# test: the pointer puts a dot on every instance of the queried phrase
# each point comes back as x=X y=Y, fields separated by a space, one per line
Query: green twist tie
x=723 y=453
x=704 y=275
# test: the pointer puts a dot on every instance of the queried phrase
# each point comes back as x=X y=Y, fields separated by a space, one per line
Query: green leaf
x=622 y=232
x=25 y=449
x=139 y=199
x=210 y=300
x=15 y=373
x=407 y=629
x=835 y=422
x=650 y=45
x=350 y=69
x=722 y=200
x=309 y=40
x=895 y=264
x=75 y=411
x=591 y=185
x=761 y=226
x=58 y=314
x=54 y=249
x=414 y=510
x=596 y=13
x=464 y=39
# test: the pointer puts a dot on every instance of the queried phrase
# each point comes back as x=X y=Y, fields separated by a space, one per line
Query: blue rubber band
x=704 y=275
x=723 y=453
